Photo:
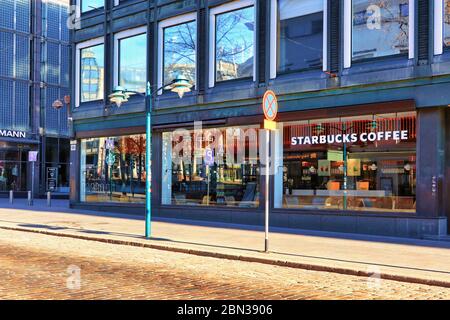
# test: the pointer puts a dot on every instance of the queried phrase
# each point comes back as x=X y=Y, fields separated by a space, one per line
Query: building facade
x=362 y=125
x=34 y=72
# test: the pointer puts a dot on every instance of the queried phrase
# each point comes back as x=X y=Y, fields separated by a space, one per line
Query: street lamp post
x=120 y=95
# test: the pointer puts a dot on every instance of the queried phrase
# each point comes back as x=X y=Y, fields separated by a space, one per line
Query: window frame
x=227 y=7
x=348 y=34
x=80 y=46
x=79 y=7
x=167 y=23
x=274 y=36
x=438 y=30
x=126 y=34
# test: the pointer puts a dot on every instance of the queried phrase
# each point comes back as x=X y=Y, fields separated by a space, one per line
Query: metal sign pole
x=32 y=183
x=270 y=109
x=32 y=158
x=267 y=204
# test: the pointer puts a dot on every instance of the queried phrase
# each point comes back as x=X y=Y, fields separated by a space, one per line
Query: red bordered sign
x=270 y=105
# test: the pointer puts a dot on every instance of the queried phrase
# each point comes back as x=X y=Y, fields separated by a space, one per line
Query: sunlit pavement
x=424 y=261
x=36 y=266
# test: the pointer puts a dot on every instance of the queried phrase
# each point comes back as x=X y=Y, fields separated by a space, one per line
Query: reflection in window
x=235 y=44
x=180 y=44
x=300 y=35
x=380 y=28
x=113 y=169
x=92 y=73
x=446 y=23
x=133 y=63
x=13 y=170
x=213 y=167
x=365 y=163
x=88 y=5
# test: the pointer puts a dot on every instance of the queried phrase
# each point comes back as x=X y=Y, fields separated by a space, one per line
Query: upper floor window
x=89 y=71
x=131 y=59
x=233 y=41
x=178 y=49
x=380 y=28
x=92 y=73
x=441 y=25
x=300 y=35
x=446 y=10
x=88 y=5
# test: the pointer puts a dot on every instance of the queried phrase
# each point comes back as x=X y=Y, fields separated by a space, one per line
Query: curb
x=281 y=263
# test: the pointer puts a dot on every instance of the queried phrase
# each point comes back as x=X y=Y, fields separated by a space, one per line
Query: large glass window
x=133 y=62
x=179 y=56
x=300 y=35
x=380 y=28
x=364 y=163
x=235 y=44
x=88 y=5
x=92 y=73
x=212 y=167
x=446 y=23
x=13 y=169
x=113 y=169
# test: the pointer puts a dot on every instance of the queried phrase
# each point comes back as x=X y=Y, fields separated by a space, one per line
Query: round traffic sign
x=270 y=105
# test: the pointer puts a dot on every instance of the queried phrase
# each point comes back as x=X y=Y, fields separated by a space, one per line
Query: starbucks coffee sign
x=13 y=134
x=351 y=138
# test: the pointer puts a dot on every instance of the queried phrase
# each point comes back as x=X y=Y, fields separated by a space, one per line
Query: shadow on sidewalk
x=119 y=234
x=224 y=225
x=127 y=235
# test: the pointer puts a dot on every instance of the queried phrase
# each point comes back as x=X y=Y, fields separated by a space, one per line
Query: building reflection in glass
x=92 y=73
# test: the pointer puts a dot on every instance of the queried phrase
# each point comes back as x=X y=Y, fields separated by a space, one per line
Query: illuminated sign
x=13 y=134
x=351 y=138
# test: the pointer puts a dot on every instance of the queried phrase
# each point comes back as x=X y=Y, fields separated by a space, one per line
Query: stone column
x=430 y=162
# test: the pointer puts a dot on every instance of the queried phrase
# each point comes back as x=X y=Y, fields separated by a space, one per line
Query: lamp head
x=57 y=104
x=180 y=86
x=118 y=96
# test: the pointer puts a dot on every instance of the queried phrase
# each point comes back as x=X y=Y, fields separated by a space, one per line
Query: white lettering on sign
x=13 y=134
x=351 y=138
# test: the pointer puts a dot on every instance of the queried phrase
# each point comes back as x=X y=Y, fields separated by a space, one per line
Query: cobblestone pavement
x=35 y=266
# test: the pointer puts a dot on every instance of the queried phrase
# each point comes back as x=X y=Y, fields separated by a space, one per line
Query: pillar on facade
x=431 y=145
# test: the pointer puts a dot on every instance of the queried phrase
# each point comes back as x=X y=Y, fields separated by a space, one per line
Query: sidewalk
x=420 y=261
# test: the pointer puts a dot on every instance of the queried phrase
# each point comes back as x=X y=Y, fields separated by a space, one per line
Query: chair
x=291 y=202
x=230 y=201
x=206 y=200
x=180 y=199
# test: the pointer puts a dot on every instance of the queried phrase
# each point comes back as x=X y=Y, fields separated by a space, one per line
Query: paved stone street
x=36 y=266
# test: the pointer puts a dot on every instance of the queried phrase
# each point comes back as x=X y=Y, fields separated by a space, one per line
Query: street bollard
x=49 y=199
x=11 y=197
x=30 y=198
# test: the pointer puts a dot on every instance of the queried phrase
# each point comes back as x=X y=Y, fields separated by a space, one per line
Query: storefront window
x=211 y=167
x=365 y=163
x=13 y=169
x=92 y=73
x=133 y=62
x=380 y=28
x=113 y=169
x=235 y=44
x=300 y=35
x=180 y=43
